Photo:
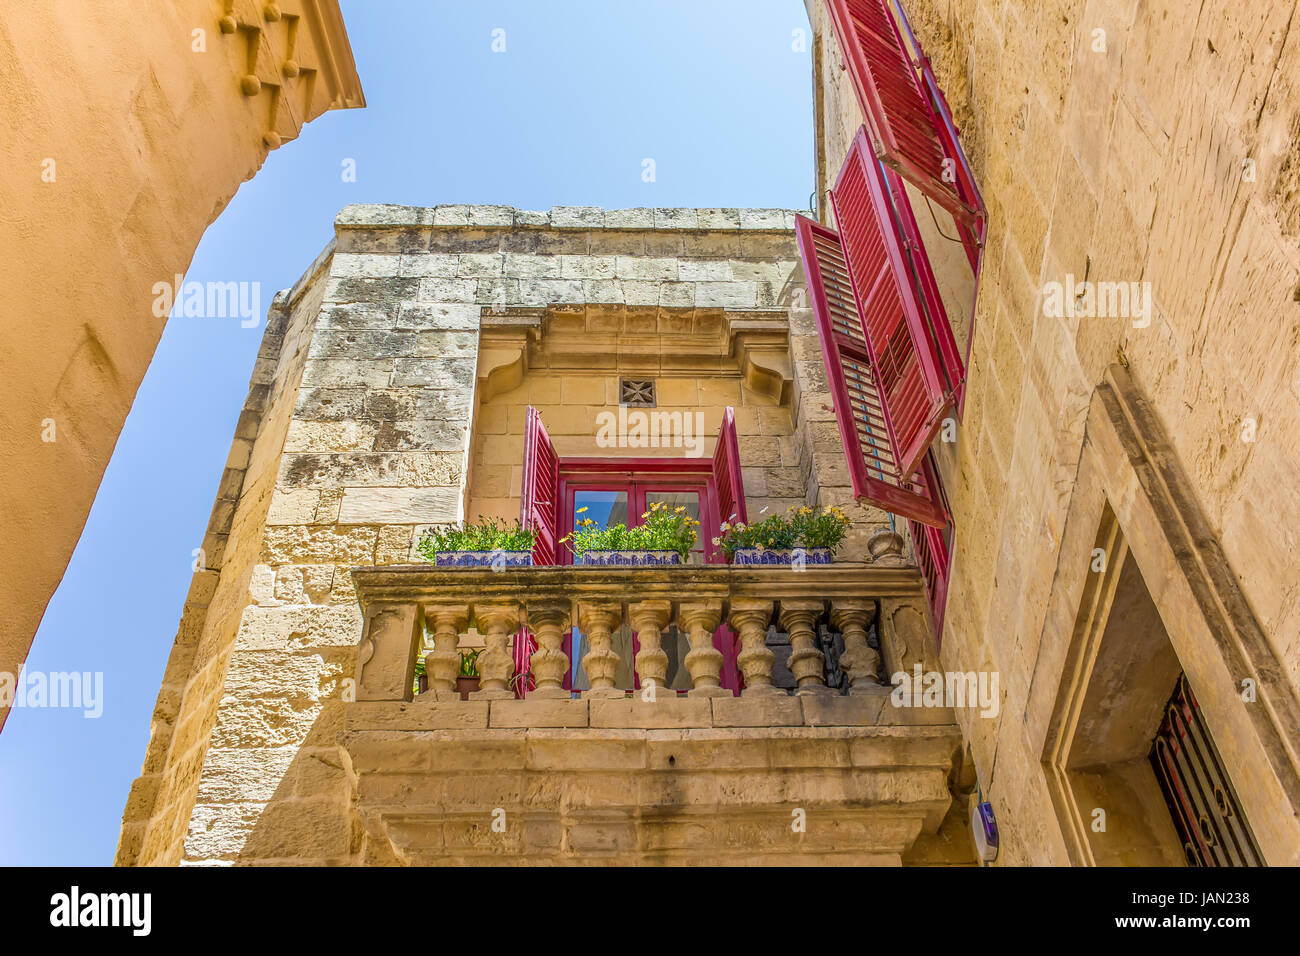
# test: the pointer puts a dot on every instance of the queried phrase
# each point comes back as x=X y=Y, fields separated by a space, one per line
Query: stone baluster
x=750 y=620
x=861 y=661
x=498 y=621
x=548 y=621
x=807 y=663
x=442 y=664
x=704 y=661
x=648 y=619
x=598 y=622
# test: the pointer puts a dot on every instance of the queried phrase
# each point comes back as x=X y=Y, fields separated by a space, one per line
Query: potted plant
x=421 y=677
x=485 y=543
x=665 y=536
x=801 y=536
x=467 y=677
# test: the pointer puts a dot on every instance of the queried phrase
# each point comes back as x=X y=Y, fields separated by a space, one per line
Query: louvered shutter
x=933 y=550
x=540 y=487
x=872 y=460
x=726 y=471
x=910 y=128
x=914 y=389
x=537 y=510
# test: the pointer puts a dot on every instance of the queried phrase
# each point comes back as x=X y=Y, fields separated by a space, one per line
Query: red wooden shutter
x=909 y=128
x=873 y=462
x=933 y=551
x=537 y=509
x=900 y=337
x=726 y=471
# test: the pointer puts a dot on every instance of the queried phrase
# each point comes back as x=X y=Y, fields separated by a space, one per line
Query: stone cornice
x=381 y=215
x=292 y=60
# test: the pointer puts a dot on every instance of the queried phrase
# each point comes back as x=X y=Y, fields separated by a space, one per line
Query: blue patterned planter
x=482 y=559
x=770 y=556
x=625 y=558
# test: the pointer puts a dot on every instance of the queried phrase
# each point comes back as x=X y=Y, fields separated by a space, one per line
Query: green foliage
x=483 y=535
x=469 y=663
x=662 y=529
x=799 y=527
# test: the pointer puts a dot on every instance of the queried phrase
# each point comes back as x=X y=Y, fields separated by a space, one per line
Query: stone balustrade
x=834 y=775
x=401 y=603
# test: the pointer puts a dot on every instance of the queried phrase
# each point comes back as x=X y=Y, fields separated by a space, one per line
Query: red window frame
x=636 y=476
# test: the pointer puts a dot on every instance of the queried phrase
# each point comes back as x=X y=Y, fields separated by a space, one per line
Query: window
x=619 y=490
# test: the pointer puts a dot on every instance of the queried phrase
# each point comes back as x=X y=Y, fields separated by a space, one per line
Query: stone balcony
x=816 y=774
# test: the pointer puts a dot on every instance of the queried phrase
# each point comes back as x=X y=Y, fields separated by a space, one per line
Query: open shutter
x=910 y=127
x=726 y=472
x=872 y=459
x=540 y=488
x=934 y=550
x=537 y=510
x=900 y=337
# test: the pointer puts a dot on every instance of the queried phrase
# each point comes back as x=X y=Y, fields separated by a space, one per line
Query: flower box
x=785 y=556
x=633 y=558
x=482 y=559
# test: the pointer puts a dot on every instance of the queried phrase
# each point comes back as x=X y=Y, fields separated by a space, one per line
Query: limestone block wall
x=1123 y=142
x=158 y=808
x=396 y=401
x=128 y=129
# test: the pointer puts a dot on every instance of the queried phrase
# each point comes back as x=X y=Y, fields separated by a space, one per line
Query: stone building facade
x=390 y=396
x=1093 y=521
x=129 y=131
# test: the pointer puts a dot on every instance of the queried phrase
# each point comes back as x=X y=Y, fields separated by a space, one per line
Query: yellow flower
x=582 y=509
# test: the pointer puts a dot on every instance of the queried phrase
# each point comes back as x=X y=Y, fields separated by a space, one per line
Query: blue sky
x=714 y=91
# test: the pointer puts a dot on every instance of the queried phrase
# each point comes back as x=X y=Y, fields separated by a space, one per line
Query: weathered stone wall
x=412 y=350
x=1125 y=142
x=126 y=135
x=158 y=808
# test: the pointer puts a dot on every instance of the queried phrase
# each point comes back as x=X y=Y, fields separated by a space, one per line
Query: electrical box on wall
x=984 y=829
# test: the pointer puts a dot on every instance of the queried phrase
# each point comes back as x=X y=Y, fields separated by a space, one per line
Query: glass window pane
x=603 y=507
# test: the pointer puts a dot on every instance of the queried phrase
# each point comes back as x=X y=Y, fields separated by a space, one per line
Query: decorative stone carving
x=548 y=621
x=598 y=621
x=442 y=664
x=750 y=620
x=807 y=663
x=886 y=548
x=861 y=662
x=498 y=622
x=386 y=657
x=905 y=637
x=704 y=661
x=648 y=619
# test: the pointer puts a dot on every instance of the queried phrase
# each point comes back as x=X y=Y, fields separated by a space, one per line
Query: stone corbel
x=761 y=345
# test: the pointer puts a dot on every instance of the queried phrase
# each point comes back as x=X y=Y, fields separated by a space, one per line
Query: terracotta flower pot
x=466 y=685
